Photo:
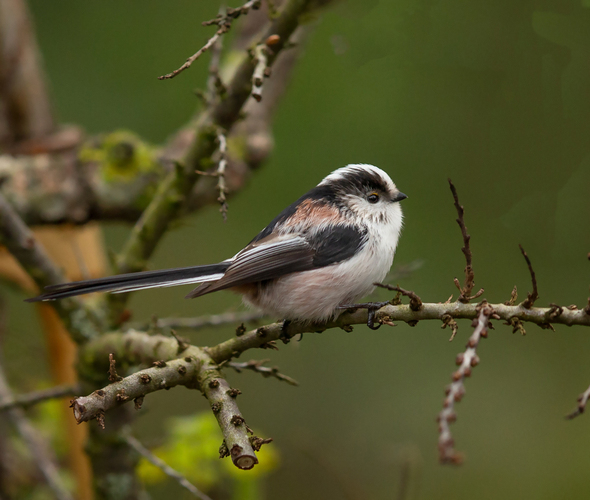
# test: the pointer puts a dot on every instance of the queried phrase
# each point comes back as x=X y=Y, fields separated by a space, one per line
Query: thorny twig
x=265 y=371
x=582 y=402
x=468 y=285
x=224 y=22
x=165 y=468
x=456 y=391
x=415 y=301
x=534 y=295
x=36 y=397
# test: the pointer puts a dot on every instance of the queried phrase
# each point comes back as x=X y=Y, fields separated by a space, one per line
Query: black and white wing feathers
x=276 y=257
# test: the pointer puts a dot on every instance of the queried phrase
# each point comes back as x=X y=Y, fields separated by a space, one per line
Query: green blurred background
x=492 y=93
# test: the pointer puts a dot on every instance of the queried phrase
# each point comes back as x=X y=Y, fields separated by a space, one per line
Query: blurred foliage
x=192 y=448
x=23 y=478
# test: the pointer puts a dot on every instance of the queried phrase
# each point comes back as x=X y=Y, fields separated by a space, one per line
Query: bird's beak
x=399 y=196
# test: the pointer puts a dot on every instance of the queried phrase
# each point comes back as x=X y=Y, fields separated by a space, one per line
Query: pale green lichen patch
x=122 y=156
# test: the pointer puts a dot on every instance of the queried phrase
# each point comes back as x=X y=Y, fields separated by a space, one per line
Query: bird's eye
x=373 y=198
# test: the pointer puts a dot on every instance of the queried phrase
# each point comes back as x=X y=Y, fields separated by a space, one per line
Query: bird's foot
x=284 y=336
x=371 y=308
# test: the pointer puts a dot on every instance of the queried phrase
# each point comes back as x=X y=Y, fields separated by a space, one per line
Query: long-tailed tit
x=320 y=253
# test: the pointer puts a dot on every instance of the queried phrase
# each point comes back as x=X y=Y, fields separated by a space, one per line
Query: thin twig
x=469 y=283
x=221 y=138
x=415 y=301
x=224 y=22
x=215 y=86
x=261 y=70
x=201 y=322
x=41 y=455
x=165 y=468
x=113 y=375
x=534 y=295
x=582 y=402
x=256 y=366
x=456 y=391
x=36 y=397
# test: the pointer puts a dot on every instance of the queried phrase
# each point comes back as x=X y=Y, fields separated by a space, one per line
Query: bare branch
x=224 y=22
x=196 y=370
x=263 y=336
x=22 y=244
x=36 y=397
x=164 y=467
x=469 y=274
x=582 y=402
x=456 y=391
x=257 y=366
x=534 y=295
x=163 y=375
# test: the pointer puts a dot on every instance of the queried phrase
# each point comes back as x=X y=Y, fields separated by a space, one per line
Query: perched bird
x=322 y=252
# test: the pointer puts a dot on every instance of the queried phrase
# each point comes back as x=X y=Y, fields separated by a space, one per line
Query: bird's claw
x=284 y=336
x=371 y=308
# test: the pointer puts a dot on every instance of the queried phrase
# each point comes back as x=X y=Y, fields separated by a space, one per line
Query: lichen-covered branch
x=112 y=176
x=22 y=244
x=456 y=390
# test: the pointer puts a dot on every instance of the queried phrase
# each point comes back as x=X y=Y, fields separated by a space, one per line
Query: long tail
x=135 y=281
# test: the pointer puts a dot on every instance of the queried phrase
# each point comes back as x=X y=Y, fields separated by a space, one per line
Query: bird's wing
x=276 y=257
